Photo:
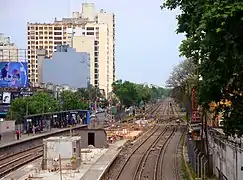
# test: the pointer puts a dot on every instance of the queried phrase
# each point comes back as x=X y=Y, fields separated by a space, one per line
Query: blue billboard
x=13 y=74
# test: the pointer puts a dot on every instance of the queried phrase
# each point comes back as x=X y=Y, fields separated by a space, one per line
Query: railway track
x=146 y=168
x=13 y=162
x=147 y=160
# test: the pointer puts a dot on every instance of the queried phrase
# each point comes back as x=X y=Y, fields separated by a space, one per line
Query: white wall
x=227 y=157
x=7 y=126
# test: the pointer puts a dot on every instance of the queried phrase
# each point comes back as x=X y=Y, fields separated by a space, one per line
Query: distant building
x=66 y=67
x=8 y=50
x=88 y=31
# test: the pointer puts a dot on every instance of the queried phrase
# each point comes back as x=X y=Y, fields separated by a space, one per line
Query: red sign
x=194 y=99
x=195 y=117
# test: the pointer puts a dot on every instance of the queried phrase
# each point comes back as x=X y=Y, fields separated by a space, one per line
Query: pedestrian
x=17 y=134
x=33 y=129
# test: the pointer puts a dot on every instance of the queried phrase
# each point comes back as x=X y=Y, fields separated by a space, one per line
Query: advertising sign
x=195 y=117
x=194 y=99
x=13 y=74
x=6 y=98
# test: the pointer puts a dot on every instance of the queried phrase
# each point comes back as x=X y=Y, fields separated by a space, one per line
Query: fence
x=224 y=159
x=197 y=159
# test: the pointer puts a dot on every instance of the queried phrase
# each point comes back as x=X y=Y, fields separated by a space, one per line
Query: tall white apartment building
x=8 y=50
x=86 y=31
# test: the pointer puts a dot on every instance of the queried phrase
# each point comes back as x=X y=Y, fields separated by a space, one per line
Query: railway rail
x=146 y=160
x=13 y=162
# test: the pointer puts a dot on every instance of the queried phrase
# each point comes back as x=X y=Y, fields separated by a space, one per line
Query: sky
x=146 y=41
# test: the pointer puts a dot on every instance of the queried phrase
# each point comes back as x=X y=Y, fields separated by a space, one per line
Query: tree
x=36 y=104
x=71 y=101
x=132 y=94
x=213 y=31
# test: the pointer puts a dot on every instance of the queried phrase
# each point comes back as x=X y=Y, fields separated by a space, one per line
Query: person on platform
x=17 y=134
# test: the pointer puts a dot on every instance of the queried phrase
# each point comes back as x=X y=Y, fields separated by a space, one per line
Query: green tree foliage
x=132 y=94
x=36 y=104
x=91 y=93
x=71 y=100
x=182 y=79
x=42 y=102
x=214 y=36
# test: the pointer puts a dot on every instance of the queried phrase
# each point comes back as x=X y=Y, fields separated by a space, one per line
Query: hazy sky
x=146 y=42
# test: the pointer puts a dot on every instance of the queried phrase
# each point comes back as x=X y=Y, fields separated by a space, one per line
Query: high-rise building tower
x=86 y=31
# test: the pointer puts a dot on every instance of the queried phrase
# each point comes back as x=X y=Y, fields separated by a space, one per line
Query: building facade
x=8 y=50
x=66 y=67
x=86 y=31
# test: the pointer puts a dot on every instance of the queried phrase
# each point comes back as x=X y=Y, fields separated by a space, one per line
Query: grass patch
x=185 y=175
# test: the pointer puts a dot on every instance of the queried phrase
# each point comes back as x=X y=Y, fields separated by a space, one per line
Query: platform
x=97 y=170
x=11 y=138
x=92 y=168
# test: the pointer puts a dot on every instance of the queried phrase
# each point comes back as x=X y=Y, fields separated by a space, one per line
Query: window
x=90 y=28
x=96 y=48
x=90 y=33
x=36 y=28
x=96 y=76
x=96 y=54
x=57 y=42
x=96 y=82
x=57 y=33
x=57 y=38
x=40 y=28
x=46 y=37
x=96 y=65
x=96 y=59
x=57 y=28
x=96 y=70
x=50 y=33
x=96 y=43
x=36 y=33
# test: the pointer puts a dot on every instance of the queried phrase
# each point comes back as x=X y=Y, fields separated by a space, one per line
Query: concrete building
x=8 y=50
x=66 y=67
x=67 y=149
x=87 y=31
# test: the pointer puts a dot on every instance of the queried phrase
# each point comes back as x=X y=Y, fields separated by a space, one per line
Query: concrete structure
x=66 y=67
x=8 y=50
x=227 y=155
x=64 y=149
x=87 y=31
x=95 y=137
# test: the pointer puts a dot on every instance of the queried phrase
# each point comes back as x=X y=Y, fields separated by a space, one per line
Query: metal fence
x=197 y=159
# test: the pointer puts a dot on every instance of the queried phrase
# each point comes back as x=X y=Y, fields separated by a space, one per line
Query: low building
x=67 y=67
x=64 y=149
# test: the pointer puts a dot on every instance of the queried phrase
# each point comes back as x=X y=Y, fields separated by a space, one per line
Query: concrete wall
x=227 y=156
x=69 y=67
x=100 y=137
x=7 y=126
